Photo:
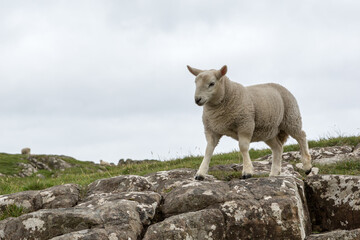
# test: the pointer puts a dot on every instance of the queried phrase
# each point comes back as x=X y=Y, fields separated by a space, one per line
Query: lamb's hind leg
x=304 y=150
x=277 y=150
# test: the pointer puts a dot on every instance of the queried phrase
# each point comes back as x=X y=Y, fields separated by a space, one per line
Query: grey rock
x=27 y=170
x=62 y=196
x=87 y=234
x=193 y=196
x=334 y=202
x=48 y=223
x=147 y=202
x=266 y=208
x=49 y=162
x=261 y=168
x=119 y=219
x=337 y=235
x=126 y=183
x=204 y=224
x=164 y=180
x=325 y=155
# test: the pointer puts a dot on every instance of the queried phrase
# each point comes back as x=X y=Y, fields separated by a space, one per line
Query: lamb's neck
x=224 y=98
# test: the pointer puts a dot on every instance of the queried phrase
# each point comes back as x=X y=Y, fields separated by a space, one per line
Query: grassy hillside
x=84 y=173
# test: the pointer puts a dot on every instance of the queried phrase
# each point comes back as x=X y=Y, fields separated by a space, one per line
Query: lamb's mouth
x=200 y=103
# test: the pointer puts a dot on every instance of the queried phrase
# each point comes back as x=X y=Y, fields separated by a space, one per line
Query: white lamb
x=264 y=112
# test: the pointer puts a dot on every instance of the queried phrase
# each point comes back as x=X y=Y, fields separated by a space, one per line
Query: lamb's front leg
x=248 y=169
x=212 y=140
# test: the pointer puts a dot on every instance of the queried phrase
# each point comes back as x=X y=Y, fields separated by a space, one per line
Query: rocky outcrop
x=172 y=205
x=63 y=196
x=337 y=235
x=39 y=162
x=334 y=201
x=130 y=161
x=324 y=155
x=163 y=205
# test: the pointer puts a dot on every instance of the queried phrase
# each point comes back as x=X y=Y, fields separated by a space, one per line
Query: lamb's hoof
x=308 y=171
x=199 y=177
x=246 y=176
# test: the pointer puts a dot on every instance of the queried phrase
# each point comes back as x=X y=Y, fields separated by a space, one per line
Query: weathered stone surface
x=334 y=202
x=325 y=155
x=38 y=162
x=147 y=202
x=120 y=219
x=87 y=234
x=337 y=235
x=261 y=168
x=26 y=170
x=48 y=223
x=266 y=208
x=62 y=196
x=163 y=181
x=194 y=196
x=126 y=183
x=204 y=224
x=49 y=162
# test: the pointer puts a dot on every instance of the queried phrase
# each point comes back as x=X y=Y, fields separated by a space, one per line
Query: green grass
x=11 y=211
x=9 y=163
x=349 y=167
x=84 y=173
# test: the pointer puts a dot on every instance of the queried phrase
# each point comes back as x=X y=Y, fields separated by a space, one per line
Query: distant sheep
x=264 y=112
x=104 y=163
x=25 y=151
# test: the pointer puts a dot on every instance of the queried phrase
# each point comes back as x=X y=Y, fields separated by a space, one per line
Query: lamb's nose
x=197 y=100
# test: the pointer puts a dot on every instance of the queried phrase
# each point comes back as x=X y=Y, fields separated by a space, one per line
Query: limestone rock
x=334 y=202
x=166 y=180
x=337 y=235
x=48 y=223
x=118 y=219
x=87 y=234
x=126 y=183
x=147 y=202
x=325 y=155
x=266 y=208
x=62 y=196
x=194 y=196
x=204 y=224
x=49 y=162
x=261 y=168
x=26 y=170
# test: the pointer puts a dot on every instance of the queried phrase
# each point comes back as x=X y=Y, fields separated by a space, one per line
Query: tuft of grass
x=36 y=184
x=349 y=167
x=12 y=211
x=226 y=175
x=9 y=163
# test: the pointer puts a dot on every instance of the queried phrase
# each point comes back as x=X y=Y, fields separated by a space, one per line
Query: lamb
x=104 y=163
x=25 y=151
x=263 y=112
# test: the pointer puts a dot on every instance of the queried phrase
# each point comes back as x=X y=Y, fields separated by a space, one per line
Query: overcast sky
x=108 y=79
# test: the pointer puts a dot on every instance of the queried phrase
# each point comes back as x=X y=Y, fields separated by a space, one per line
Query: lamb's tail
x=282 y=136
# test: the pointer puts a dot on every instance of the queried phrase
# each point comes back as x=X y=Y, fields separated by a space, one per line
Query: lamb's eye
x=211 y=84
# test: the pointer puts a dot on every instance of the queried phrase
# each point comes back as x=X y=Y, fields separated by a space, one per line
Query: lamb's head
x=209 y=85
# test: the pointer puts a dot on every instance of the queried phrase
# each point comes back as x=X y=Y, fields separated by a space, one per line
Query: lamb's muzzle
x=265 y=112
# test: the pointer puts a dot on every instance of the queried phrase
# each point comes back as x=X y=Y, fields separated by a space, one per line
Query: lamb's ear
x=221 y=72
x=194 y=70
